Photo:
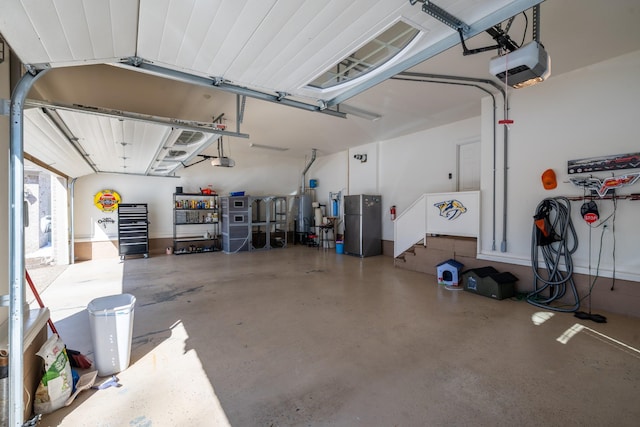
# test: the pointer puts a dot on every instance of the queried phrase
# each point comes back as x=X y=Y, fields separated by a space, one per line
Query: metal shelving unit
x=268 y=222
x=133 y=229
x=195 y=213
x=253 y=223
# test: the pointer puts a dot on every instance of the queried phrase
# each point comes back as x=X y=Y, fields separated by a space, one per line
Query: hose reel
x=554 y=237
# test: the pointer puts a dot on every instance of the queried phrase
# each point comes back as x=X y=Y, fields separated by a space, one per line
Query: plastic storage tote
x=111 y=321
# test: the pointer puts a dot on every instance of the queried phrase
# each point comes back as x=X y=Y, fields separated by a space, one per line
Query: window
x=369 y=57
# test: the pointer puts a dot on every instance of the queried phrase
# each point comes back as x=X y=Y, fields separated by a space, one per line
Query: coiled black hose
x=555 y=238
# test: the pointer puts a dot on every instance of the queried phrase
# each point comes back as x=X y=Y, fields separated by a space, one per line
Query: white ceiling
x=268 y=46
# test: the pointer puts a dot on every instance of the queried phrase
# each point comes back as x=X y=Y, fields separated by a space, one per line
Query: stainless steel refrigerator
x=363 y=225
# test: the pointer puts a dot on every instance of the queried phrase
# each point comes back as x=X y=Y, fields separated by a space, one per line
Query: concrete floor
x=301 y=337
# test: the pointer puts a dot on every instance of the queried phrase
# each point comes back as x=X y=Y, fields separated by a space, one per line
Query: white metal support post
x=16 y=247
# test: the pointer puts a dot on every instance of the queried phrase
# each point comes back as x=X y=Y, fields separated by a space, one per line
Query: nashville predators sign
x=107 y=200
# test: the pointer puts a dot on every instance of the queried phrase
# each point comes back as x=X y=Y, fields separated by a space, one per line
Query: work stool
x=327 y=235
x=312 y=240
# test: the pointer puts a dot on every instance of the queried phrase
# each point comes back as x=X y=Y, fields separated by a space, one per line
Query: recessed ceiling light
x=358 y=112
x=267 y=147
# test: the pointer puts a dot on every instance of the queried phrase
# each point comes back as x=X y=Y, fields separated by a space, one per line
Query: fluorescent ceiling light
x=267 y=147
x=359 y=112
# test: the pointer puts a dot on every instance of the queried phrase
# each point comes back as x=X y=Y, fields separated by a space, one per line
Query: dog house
x=488 y=282
x=449 y=272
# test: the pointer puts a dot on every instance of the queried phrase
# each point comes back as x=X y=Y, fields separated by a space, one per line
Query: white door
x=469 y=166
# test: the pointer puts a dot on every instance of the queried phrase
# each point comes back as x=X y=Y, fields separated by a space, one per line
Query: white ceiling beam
x=143 y=66
x=177 y=123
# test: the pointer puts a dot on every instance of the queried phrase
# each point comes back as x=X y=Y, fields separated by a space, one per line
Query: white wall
x=263 y=175
x=400 y=169
x=590 y=112
x=421 y=163
x=331 y=172
x=60 y=218
x=341 y=172
x=364 y=176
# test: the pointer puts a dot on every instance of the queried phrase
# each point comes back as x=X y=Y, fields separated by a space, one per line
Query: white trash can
x=111 y=320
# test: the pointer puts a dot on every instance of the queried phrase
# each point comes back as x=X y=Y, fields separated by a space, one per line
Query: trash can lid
x=112 y=303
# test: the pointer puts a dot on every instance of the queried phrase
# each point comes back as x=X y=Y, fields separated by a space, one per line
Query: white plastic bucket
x=111 y=321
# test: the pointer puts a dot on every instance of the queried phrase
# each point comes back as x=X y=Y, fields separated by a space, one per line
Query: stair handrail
x=410 y=226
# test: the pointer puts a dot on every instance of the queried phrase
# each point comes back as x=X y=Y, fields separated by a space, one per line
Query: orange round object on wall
x=549 y=179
